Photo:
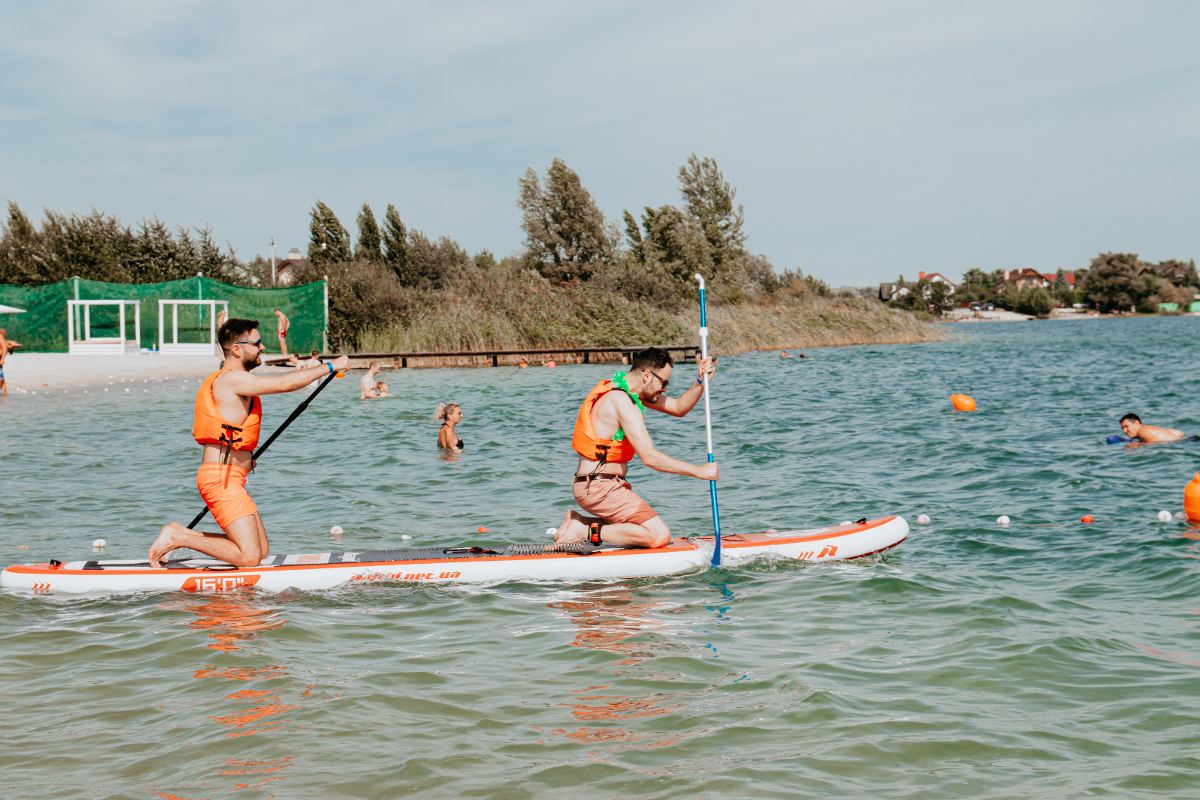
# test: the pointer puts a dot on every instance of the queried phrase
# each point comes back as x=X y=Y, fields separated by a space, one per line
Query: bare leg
x=574 y=527
x=651 y=533
x=243 y=544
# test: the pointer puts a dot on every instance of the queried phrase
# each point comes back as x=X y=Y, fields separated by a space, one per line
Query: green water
x=1048 y=659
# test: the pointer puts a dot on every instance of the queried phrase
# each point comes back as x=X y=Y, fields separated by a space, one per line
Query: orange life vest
x=211 y=428
x=584 y=440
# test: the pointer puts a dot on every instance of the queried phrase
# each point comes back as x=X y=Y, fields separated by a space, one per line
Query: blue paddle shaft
x=712 y=485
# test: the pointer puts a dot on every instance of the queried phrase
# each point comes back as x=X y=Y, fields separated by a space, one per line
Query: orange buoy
x=962 y=402
x=1191 y=499
x=481 y=529
x=1086 y=518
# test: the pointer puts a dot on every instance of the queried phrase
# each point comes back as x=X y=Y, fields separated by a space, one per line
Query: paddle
x=297 y=412
x=712 y=485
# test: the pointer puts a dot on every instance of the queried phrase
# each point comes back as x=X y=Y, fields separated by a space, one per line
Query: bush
x=1035 y=302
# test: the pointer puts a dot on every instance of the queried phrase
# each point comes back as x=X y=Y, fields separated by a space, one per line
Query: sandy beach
x=32 y=371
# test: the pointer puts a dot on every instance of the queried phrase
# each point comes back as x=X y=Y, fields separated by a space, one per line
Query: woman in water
x=451 y=415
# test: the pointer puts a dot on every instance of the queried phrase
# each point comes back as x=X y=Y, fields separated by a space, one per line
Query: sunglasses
x=257 y=343
x=665 y=383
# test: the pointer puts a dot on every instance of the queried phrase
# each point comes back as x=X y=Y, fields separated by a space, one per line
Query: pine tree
x=329 y=243
x=566 y=234
x=370 y=247
x=396 y=251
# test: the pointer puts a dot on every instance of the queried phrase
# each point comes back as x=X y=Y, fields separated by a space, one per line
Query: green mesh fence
x=43 y=326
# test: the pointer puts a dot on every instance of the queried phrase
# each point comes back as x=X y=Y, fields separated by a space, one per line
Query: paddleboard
x=468 y=564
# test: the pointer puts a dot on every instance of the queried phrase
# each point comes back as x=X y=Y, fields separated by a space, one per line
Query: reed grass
x=511 y=310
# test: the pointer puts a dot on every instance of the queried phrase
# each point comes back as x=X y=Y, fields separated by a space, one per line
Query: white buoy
x=847 y=522
x=1003 y=519
x=1180 y=515
x=923 y=519
x=405 y=536
x=551 y=531
x=772 y=530
x=99 y=544
x=1164 y=516
x=336 y=530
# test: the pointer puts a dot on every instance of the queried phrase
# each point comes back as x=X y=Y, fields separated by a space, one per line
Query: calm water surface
x=1048 y=659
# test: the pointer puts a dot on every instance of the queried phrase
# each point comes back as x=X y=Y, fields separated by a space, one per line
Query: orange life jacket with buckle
x=210 y=427
x=587 y=443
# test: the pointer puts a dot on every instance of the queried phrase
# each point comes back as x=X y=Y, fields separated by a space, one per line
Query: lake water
x=1048 y=659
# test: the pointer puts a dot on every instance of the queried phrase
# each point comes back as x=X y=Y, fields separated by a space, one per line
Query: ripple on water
x=1045 y=659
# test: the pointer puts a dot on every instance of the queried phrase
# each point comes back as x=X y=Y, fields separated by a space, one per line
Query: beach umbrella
x=10 y=310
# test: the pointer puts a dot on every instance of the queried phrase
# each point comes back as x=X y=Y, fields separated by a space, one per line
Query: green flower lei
x=619 y=381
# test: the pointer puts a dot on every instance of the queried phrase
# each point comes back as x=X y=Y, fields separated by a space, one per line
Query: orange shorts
x=223 y=487
x=612 y=500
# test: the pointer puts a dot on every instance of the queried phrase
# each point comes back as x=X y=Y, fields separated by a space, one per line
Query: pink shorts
x=612 y=500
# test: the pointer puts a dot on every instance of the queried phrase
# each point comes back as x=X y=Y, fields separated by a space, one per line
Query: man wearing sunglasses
x=609 y=431
x=227 y=419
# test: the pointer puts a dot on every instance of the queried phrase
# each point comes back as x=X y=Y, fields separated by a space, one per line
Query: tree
x=1112 y=281
x=370 y=246
x=566 y=234
x=22 y=252
x=395 y=248
x=708 y=198
x=1035 y=301
x=329 y=243
x=437 y=263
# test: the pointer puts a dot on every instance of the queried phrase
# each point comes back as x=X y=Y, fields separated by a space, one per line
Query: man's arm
x=247 y=384
x=680 y=406
x=637 y=435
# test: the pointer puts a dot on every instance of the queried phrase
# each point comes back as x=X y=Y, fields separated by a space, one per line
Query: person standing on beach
x=282 y=328
x=609 y=431
x=228 y=415
x=368 y=387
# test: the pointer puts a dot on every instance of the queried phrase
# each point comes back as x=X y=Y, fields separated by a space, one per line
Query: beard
x=250 y=363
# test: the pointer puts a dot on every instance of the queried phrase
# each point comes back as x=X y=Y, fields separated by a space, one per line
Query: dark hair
x=650 y=358
x=234 y=329
x=1133 y=417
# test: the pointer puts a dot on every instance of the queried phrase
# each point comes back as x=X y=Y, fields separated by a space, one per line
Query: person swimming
x=1137 y=431
x=452 y=414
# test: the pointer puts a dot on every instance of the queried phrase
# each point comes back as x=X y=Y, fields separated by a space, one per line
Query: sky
x=866 y=138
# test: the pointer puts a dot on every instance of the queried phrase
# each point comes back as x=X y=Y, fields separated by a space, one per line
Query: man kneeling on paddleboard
x=608 y=432
x=228 y=416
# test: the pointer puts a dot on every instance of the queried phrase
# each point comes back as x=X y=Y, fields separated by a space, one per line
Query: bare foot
x=572 y=529
x=164 y=544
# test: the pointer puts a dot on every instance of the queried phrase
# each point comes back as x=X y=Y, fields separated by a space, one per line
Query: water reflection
x=233 y=622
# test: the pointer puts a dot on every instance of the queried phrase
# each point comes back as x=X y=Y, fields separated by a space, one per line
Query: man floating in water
x=609 y=431
x=227 y=419
x=1133 y=427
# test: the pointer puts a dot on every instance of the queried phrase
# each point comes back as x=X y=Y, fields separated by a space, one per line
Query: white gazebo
x=81 y=342
x=173 y=345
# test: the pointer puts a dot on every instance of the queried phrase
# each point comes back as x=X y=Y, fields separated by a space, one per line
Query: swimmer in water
x=451 y=415
x=523 y=363
x=1140 y=433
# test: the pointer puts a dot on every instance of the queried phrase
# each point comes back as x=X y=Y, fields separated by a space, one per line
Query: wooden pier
x=496 y=358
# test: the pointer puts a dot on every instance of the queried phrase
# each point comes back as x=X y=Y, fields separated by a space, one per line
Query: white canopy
x=10 y=310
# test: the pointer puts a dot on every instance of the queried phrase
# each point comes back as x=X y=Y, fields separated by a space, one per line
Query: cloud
x=866 y=138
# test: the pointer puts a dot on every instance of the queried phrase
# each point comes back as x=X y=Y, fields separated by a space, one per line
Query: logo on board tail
x=219 y=583
x=827 y=550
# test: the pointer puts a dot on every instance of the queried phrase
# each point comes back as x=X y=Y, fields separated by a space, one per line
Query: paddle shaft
x=712 y=485
x=295 y=413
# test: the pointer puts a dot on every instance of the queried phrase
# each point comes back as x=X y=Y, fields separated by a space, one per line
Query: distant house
x=937 y=277
x=285 y=270
x=891 y=291
x=1024 y=278
x=1052 y=278
x=1172 y=271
